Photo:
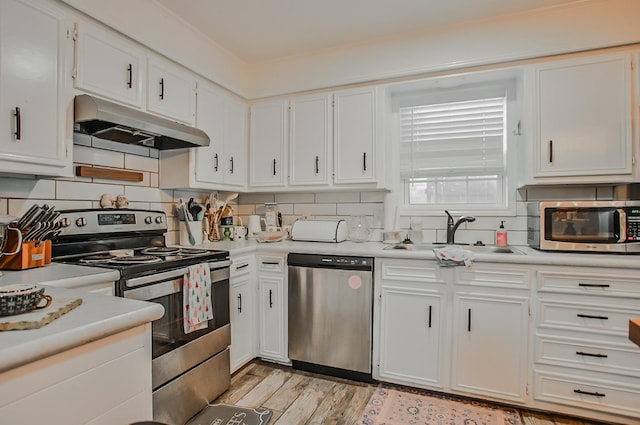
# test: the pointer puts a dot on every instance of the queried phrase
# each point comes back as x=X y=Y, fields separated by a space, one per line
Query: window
x=454 y=147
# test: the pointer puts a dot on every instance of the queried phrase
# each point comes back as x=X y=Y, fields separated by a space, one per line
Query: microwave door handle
x=621 y=225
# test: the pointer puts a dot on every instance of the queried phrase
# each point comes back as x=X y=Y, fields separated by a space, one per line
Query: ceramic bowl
x=21 y=298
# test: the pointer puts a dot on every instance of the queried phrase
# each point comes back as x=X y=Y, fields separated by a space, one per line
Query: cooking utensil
x=192 y=239
x=230 y=197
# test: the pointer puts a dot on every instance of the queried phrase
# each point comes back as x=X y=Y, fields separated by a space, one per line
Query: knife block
x=32 y=254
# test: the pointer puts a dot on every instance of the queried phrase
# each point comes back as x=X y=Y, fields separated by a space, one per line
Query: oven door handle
x=172 y=274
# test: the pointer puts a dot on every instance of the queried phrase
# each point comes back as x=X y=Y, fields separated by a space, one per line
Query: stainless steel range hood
x=118 y=123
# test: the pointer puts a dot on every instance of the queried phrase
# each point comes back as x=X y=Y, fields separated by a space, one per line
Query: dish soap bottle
x=501 y=235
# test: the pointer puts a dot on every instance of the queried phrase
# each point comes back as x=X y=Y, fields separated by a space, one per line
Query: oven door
x=168 y=334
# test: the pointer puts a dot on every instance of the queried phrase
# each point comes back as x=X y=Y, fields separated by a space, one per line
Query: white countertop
x=377 y=250
x=97 y=317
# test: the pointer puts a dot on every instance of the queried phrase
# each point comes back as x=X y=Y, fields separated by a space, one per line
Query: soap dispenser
x=501 y=235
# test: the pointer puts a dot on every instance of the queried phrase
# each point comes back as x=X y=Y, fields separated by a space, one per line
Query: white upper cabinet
x=109 y=65
x=310 y=139
x=267 y=143
x=35 y=84
x=355 y=136
x=582 y=118
x=221 y=165
x=171 y=91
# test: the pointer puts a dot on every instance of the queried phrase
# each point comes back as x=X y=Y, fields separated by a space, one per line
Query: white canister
x=196 y=231
x=240 y=233
x=254 y=226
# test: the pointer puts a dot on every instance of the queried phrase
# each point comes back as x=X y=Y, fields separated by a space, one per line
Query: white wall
x=580 y=26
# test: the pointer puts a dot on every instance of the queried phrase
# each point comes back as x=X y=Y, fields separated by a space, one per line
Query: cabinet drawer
x=587 y=355
x=494 y=277
x=241 y=266
x=271 y=263
x=602 y=319
x=601 y=284
x=587 y=393
x=412 y=271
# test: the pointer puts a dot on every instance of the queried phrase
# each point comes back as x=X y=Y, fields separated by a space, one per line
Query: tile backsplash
x=18 y=194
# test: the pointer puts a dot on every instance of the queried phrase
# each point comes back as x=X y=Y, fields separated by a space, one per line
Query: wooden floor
x=302 y=398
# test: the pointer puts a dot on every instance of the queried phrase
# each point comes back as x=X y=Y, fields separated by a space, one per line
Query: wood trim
x=634 y=331
x=108 y=173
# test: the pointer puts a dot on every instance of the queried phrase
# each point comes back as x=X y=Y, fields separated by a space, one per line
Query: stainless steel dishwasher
x=331 y=314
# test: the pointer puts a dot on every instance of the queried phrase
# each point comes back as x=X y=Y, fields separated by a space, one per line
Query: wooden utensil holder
x=32 y=254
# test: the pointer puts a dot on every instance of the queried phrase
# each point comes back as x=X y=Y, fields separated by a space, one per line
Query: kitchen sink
x=480 y=249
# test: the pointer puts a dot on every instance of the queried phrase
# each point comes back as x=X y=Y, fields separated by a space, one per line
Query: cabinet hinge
x=529 y=310
x=73 y=32
x=526 y=389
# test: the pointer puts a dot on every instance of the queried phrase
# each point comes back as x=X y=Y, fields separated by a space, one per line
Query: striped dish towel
x=196 y=298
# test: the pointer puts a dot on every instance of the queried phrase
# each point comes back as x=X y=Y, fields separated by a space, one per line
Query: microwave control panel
x=633 y=224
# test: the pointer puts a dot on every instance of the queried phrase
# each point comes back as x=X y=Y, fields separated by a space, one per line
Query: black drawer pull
x=231 y=169
x=270 y=263
x=593 y=393
x=242 y=266
x=594 y=285
x=18 y=132
x=469 y=321
x=430 y=308
x=270 y=298
x=550 y=151
x=589 y=316
x=239 y=303
x=601 y=356
x=274 y=167
x=161 y=88
x=130 y=76
x=215 y=157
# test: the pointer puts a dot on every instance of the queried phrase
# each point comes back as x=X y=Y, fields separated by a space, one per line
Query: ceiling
x=262 y=30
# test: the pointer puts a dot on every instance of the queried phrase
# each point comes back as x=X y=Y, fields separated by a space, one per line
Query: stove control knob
x=81 y=221
x=148 y=220
x=159 y=219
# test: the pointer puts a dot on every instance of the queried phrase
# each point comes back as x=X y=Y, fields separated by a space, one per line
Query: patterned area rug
x=393 y=406
x=225 y=414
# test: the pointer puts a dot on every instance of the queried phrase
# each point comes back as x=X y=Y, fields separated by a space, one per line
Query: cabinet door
x=235 y=142
x=242 y=309
x=34 y=84
x=267 y=142
x=272 y=325
x=171 y=92
x=354 y=136
x=583 y=116
x=109 y=66
x=490 y=346
x=208 y=160
x=410 y=336
x=310 y=136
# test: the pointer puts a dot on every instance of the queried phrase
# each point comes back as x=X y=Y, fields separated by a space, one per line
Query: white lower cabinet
x=411 y=336
x=242 y=306
x=272 y=284
x=100 y=383
x=490 y=344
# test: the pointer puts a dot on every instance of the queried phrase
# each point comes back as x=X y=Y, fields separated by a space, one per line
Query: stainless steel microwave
x=588 y=226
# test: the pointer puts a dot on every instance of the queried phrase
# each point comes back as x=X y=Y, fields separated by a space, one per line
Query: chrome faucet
x=452 y=227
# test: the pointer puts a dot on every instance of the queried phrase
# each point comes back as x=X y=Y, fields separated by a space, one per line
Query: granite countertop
x=379 y=250
x=97 y=317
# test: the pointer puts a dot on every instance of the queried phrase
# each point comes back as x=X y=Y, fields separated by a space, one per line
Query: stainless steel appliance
x=590 y=226
x=189 y=370
x=331 y=314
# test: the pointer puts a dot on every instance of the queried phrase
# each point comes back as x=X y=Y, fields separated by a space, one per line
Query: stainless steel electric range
x=188 y=369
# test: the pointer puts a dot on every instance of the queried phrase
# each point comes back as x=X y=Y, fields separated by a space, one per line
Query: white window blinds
x=453 y=139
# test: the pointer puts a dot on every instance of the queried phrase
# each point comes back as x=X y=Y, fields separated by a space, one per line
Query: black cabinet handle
x=589 y=316
x=161 y=88
x=231 y=169
x=550 y=151
x=215 y=166
x=593 y=393
x=469 y=320
x=130 y=79
x=594 y=285
x=270 y=263
x=598 y=355
x=317 y=164
x=364 y=161
x=242 y=266
x=239 y=303
x=274 y=166
x=18 y=132
x=430 y=308
x=270 y=298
